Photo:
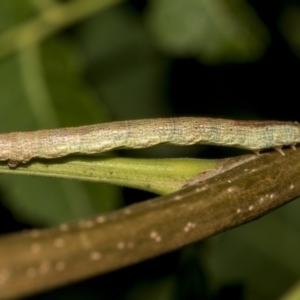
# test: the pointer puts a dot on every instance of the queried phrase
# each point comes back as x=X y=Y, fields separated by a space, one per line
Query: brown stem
x=42 y=259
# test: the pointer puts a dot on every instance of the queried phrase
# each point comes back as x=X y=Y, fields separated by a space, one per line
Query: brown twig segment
x=38 y=260
x=21 y=147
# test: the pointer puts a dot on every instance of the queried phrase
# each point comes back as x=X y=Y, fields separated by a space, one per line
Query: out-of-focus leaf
x=290 y=27
x=293 y=293
x=123 y=64
x=14 y=12
x=213 y=30
x=51 y=19
x=42 y=91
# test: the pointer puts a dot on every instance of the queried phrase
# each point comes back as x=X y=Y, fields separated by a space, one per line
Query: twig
x=42 y=259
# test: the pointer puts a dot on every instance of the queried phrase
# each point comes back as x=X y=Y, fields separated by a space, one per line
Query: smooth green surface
x=161 y=176
x=213 y=30
x=41 y=88
x=127 y=68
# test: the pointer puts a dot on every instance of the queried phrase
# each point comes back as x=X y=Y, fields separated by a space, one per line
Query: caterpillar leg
x=13 y=164
x=280 y=151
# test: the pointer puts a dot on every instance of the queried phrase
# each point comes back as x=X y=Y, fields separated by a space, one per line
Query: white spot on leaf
x=100 y=219
x=59 y=242
x=44 y=267
x=31 y=272
x=34 y=233
x=4 y=276
x=95 y=255
x=120 y=245
x=60 y=266
x=64 y=227
x=35 y=248
x=155 y=236
x=189 y=226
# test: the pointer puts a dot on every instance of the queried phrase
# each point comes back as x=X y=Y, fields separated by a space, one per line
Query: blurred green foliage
x=69 y=63
x=212 y=31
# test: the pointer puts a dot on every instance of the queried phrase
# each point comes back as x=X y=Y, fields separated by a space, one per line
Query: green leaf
x=290 y=27
x=124 y=65
x=215 y=31
x=44 y=89
x=160 y=176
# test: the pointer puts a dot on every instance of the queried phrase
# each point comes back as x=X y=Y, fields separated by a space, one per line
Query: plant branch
x=42 y=259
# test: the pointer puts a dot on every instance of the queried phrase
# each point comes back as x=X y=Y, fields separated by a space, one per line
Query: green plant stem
x=160 y=176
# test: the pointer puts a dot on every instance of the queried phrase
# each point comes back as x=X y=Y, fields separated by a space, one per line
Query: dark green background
x=148 y=59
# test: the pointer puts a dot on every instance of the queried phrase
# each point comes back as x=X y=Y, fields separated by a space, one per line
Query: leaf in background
x=214 y=31
x=290 y=27
x=42 y=88
x=14 y=12
x=123 y=64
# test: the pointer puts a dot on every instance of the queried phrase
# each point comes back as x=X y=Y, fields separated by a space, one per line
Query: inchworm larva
x=20 y=147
